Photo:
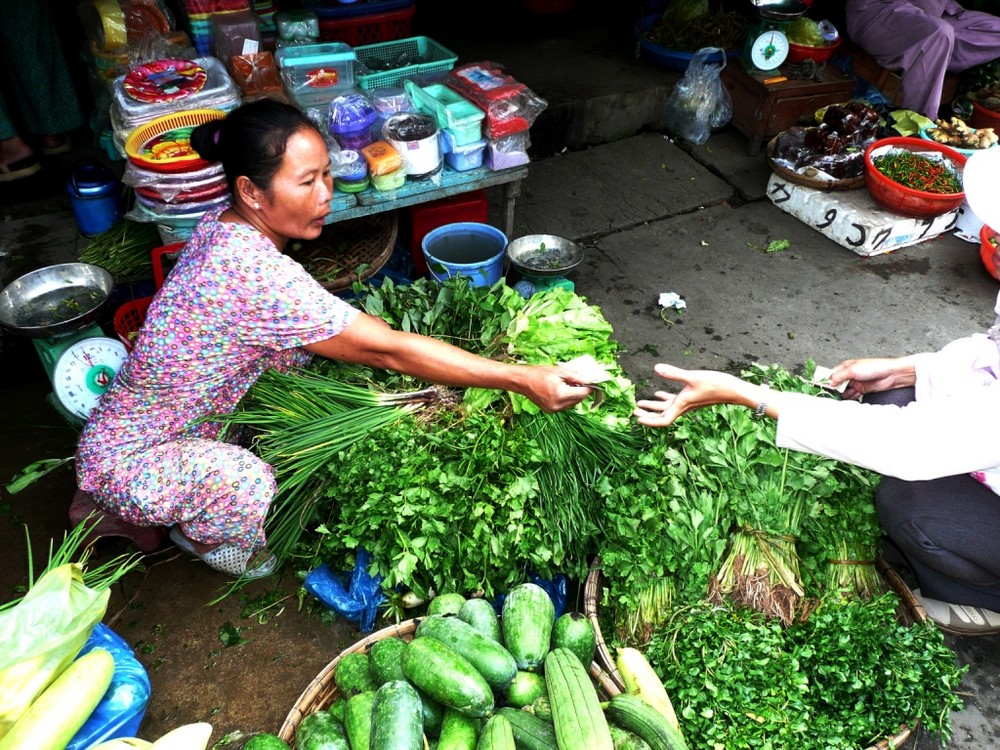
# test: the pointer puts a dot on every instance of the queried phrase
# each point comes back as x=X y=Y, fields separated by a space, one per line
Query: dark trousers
x=948 y=529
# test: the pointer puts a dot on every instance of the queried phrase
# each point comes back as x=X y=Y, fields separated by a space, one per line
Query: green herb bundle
x=123 y=249
x=844 y=678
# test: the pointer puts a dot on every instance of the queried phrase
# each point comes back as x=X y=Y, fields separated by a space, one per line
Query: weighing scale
x=766 y=45
x=543 y=260
x=80 y=367
x=56 y=307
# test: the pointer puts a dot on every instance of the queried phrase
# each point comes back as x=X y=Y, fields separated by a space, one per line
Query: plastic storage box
x=315 y=74
x=462 y=118
x=368 y=29
x=416 y=221
x=388 y=63
x=464 y=158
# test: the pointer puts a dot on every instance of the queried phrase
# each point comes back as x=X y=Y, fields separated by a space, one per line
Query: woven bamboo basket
x=322 y=691
x=910 y=611
x=348 y=251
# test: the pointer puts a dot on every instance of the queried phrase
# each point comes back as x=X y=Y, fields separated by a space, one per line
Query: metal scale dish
x=57 y=307
x=543 y=255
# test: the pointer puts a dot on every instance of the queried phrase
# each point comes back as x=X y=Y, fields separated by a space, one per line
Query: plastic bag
x=123 y=705
x=699 y=102
x=42 y=634
x=358 y=601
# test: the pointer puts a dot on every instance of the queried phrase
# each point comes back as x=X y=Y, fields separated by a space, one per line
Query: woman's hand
x=873 y=375
x=554 y=388
x=700 y=388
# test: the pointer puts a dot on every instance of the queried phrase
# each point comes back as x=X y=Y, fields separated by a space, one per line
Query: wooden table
x=352 y=205
x=762 y=110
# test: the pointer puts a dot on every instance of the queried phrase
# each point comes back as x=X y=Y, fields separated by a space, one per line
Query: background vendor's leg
x=947 y=530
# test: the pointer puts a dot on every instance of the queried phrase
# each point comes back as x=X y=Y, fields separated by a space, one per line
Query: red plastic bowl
x=988 y=252
x=907 y=201
x=983 y=117
x=798 y=53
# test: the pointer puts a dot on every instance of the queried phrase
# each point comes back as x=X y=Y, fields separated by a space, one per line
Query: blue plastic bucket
x=465 y=248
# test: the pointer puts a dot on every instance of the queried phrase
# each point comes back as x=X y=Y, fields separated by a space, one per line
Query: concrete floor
x=655 y=216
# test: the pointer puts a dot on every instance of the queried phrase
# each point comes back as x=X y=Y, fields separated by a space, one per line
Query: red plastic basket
x=129 y=319
x=368 y=29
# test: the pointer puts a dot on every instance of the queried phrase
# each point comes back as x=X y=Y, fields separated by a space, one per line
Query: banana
x=641 y=681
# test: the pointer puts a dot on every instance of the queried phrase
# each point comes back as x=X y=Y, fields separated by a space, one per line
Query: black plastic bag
x=699 y=102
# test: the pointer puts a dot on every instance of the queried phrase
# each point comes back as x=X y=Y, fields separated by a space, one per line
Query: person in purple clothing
x=233 y=306
x=923 y=40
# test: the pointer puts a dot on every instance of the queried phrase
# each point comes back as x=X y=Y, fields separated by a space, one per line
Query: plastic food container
x=464 y=158
x=798 y=53
x=389 y=181
x=451 y=110
x=988 y=252
x=415 y=137
x=904 y=200
x=297 y=24
x=308 y=69
x=382 y=158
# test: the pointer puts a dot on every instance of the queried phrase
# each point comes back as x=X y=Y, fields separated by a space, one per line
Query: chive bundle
x=123 y=249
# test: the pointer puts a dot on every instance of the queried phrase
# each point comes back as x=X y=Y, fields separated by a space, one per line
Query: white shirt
x=951 y=428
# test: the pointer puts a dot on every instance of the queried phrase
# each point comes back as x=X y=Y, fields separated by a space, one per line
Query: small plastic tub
x=351 y=186
x=466 y=157
x=307 y=67
x=390 y=181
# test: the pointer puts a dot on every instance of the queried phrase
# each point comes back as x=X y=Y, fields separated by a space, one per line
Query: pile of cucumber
x=470 y=680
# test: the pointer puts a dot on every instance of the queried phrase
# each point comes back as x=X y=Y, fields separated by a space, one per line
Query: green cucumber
x=437 y=670
x=489 y=657
x=525 y=687
x=542 y=707
x=575 y=631
x=530 y=732
x=445 y=604
x=626 y=740
x=321 y=731
x=397 y=721
x=358 y=719
x=481 y=615
x=497 y=734
x=385 y=659
x=636 y=715
x=458 y=732
x=265 y=741
x=338 y=708
x=433 y=713
x=353 y=675
x=526 y=621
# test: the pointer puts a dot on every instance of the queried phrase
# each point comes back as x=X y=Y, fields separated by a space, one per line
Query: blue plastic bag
x=123 y=706
x=358 y=601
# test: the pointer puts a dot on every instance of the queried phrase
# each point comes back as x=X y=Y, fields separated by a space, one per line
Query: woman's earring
x=256 y=207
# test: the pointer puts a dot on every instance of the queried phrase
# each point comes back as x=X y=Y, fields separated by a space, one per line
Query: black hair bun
x=205 y=140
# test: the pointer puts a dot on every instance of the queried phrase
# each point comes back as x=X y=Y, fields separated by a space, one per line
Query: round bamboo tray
x=322 y=691
x=348 y=251
x=910 y=611
x=815 y=183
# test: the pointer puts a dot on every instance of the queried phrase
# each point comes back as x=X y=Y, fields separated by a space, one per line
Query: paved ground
x=655 y=216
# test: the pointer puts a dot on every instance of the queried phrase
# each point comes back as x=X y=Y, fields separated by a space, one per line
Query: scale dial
x=84 y=371
x=769 y=50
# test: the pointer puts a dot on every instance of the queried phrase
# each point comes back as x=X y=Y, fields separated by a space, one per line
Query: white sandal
x=229 y=558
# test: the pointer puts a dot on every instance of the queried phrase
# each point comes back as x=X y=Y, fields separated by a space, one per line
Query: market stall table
x=352 y=205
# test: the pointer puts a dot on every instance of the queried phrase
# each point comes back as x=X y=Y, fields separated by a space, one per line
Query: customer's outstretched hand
x=873 y=375
x=700 y=388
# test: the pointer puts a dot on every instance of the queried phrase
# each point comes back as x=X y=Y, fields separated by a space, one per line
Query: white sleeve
x=923 y=440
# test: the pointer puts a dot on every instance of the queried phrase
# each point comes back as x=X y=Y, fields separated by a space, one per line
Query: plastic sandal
x=229 y=558
x=19 y=169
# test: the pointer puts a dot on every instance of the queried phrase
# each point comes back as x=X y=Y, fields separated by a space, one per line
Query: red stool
x=146 y=538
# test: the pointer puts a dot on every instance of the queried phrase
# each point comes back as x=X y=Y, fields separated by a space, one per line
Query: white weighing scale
x=766 y=47
x=56 y=307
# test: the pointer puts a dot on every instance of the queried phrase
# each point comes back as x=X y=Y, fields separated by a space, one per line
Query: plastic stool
x=146 y=538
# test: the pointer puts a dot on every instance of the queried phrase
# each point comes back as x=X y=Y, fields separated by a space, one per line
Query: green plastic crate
x=388 y=63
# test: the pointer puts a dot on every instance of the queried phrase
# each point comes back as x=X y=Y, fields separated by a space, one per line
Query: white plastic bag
x=699 y=102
